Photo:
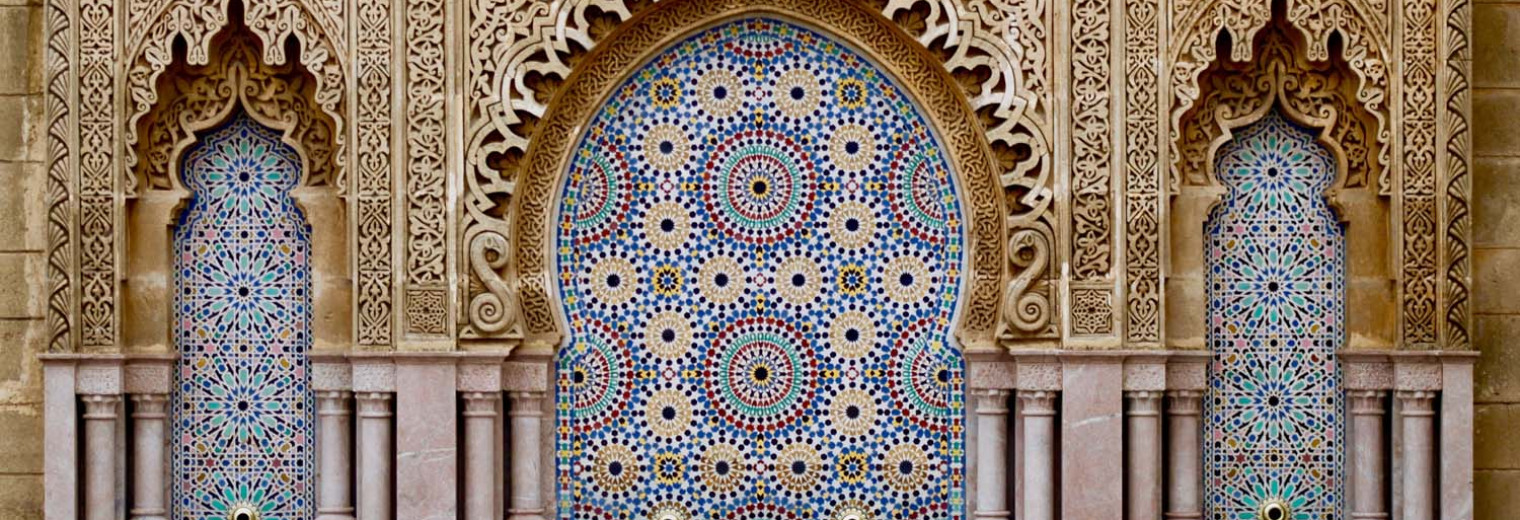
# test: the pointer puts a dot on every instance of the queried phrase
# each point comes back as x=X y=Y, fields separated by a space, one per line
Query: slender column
x=1417 y=412
x=1143 y=448
x=1182 y=490
x=336 y=422
x=375 y=455
x=1367 y=420
x=527 y=412
x=480 y=455
x=992 y=454
x=148 y=414
x=1037 y=407
x=100 y=456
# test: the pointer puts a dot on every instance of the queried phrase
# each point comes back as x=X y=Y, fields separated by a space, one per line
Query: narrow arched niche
x=759 y=249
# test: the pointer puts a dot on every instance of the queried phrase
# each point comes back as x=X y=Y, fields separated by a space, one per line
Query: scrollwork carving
x=1142 y=172
x=426 y=253
x=1027 y=308
x=373 y=165
x=60 y=149
x=1458 y=150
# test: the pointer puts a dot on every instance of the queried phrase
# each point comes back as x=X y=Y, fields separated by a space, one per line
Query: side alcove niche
x=193 y=100
x=1323 y=97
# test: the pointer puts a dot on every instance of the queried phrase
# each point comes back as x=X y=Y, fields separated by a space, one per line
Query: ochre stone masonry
x=457 y=278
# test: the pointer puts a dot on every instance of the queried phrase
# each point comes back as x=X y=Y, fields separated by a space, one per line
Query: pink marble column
x=1417 y=415
x=1457 y=435
x=100 y=415
x=1037 y=408
x=1143 y=451
x=374 y=454
x=992 y=454
x=480 y=455
x=60 y=439
x=527 y=412
x=1183 y=410
x=335 y=421
x=1367 y=465
x=1092 y=417
x=427 y=438
x=148 y=416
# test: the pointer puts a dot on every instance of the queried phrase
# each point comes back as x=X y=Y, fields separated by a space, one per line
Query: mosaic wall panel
x=759 y=253
x=242 y=430
x=1276 y=268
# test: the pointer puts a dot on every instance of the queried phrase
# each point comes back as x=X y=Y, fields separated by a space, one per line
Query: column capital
x=1416 y=402
x=1184 y=402
x=992 y=401
x=1037 y=402
x=1366 y=402
x=374 y=404
x=149 y=406
x=102 y=407
x=1143 y=402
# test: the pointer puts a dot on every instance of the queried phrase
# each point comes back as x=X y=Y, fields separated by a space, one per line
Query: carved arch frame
x=202 y=98
x=938 y=97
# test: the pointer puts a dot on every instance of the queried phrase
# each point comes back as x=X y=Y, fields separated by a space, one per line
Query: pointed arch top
x=937 y=95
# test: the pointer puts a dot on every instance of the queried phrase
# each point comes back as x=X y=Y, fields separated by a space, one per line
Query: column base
x=336 y=516
x=525 y=514
x=993 y=514
x=1183 y=516
x=149 y=515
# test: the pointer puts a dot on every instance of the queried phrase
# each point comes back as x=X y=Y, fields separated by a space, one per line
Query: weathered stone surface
x=1494 y=276
x=15 y=351
x=18 y=270
x=1496 y=201
x=1497 y=375
x=23 y=195
x=1495 y=490
x=19 y=50
x=1493 y=437
x=1494 y=115
x=21 y=497
x=20 y=443
x=1496 y=57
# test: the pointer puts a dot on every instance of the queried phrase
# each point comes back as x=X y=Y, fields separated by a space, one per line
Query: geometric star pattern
x=1276 y=268
x=242 y=405
x=759 y=254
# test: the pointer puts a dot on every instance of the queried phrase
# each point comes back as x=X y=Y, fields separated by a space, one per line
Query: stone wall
x=1496 y=236
x=22 y=272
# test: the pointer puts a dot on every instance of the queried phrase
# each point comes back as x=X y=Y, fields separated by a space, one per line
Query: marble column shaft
x=1417 y=414
x=527 y=413
x=992 y=454
x=1367 y=414
x=480 y=488
x=1143 y=451
x=100 y=415
x=148 y=420
x=375 y=455
x=1183 y=410
x=335 y=422
x=1037 y=409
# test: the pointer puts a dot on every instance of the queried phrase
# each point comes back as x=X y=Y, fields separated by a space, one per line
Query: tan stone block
x=1494 y=427
x=20 y=49
x=23 y=276
x=1497 y=374
x=1496 y=45
x=1494 y=494
x=1495 y=281
x=1496 y=202
x=1186 y=313
x=1373 y=321
x=15 y=349
x=1494 y=118
x=21 y=497
x=23 y=192
x=20 y=443
x=21 y=128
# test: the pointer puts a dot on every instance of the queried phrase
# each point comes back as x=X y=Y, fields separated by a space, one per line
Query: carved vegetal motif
x=191 y=98
x=1321 y=92
x=60 y=147
x=1142 y=172
x=426 y=254
x=373 y=166
x=197 y=22
x=1091 y=311
x=1092 y=212
x=97 y=166
x=1363 y=51
x=996 y=50
x=1458 y=147
x=1418 y=320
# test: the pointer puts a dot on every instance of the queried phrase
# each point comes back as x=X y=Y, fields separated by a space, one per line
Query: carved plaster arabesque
x=1143 y=171
x=426 y=186
x=1418 y=182
x=519 y=54
x=61 y=146
x=1092 y=176
x=1457 y=212
x=938 y=97
x=98 y=219
x=374 y=166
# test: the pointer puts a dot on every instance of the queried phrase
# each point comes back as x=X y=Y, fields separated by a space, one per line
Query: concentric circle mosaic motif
x=242 y=405
x=1276 y=264
x=760 y=253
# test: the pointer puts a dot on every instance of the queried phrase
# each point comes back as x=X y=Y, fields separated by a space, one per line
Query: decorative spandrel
x=1276 y=282
x=760 y=256
x=242 y=405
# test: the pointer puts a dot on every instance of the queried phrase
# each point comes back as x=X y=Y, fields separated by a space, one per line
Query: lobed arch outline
x=1361 y=29
x=197 y=22
x=940 y=100
x=235 y=78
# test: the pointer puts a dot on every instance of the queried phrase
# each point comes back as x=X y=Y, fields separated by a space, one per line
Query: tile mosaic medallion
x=1276 y=268
x=242 y=406
x=760 y=249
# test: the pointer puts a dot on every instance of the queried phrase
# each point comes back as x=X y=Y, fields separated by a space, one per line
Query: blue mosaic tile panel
x=242 y=407
x=1276 y=275
x=760 y=252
